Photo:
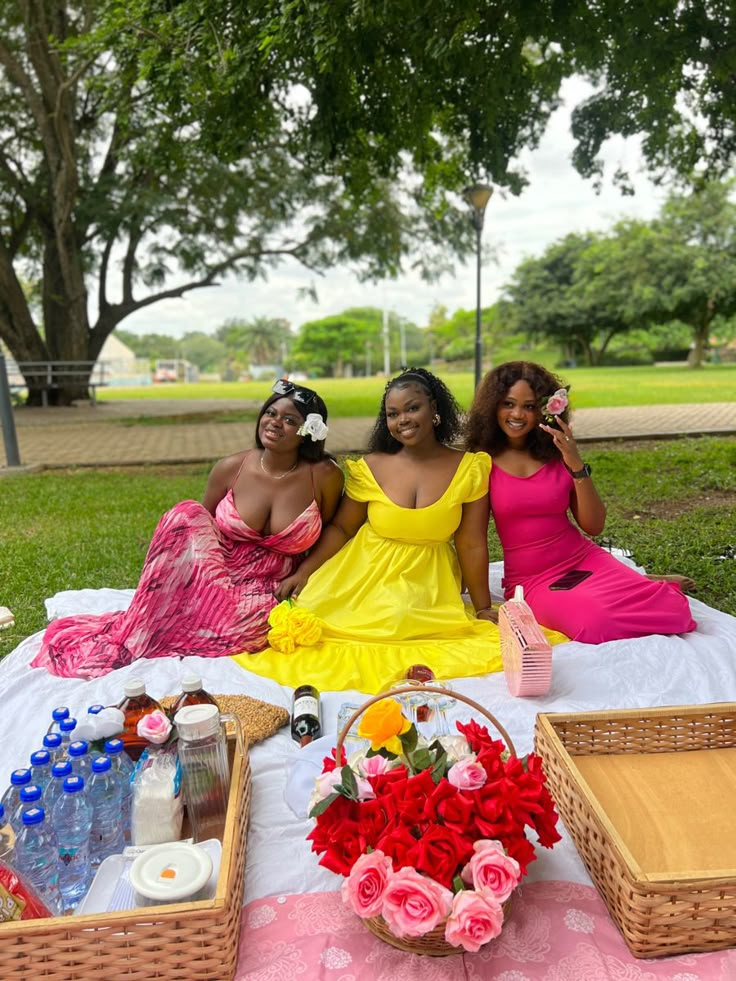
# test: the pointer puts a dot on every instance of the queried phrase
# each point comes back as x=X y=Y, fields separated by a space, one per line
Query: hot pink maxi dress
x=540 y=544
x=206 y=589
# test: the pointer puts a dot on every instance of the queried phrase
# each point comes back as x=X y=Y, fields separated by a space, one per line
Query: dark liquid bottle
x=305 y=715
x=134 y=705
x=192 y=693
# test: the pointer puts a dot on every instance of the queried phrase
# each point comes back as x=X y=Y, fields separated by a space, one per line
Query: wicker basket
x=432 y=943
x=672 y=911
x=179 y=942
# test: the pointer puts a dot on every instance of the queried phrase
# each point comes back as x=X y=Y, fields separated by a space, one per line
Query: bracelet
x=484 y=609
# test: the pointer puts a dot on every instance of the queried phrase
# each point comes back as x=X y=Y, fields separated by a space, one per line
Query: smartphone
x=570 y=579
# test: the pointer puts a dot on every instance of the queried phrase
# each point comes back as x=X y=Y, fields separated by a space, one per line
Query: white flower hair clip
x=313 y=426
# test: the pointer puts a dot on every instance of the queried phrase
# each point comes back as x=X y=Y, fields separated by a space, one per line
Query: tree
x=262 y=340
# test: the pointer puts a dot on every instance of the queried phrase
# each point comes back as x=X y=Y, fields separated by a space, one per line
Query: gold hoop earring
x=436 y=420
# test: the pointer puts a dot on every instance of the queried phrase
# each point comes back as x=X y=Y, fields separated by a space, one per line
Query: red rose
x=330 y=762
x=440 y=854
x=376 y=817
x=345 y=847
x=390 y=782
x=520 y=848
x=457 y=813
x=396 y=845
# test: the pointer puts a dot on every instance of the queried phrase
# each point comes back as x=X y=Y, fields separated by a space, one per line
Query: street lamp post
x=478 y=196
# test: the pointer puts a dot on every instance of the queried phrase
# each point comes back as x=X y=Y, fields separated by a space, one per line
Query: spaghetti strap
x=242 y=464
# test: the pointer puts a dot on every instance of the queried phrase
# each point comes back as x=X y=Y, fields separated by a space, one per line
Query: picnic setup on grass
x=570 y=817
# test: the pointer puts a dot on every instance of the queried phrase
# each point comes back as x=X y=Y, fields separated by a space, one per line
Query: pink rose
x=364 y=888
x=467 y=774
x=365 y=789
x=325 y=784
x=475 y=919
x=413 y=904
x=154 y=727
x=374 y=766
x=492 y=869
x=557 y=403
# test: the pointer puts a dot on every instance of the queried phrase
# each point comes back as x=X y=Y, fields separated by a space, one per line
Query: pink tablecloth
x=556 y=931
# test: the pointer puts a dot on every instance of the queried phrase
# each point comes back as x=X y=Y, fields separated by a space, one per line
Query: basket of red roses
x=430 y=835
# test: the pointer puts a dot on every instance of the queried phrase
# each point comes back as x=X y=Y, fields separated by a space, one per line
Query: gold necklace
x=281 y=475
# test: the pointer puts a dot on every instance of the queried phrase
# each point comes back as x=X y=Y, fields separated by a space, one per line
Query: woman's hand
x=565 y=443
x=489 y=613
x=290 y=587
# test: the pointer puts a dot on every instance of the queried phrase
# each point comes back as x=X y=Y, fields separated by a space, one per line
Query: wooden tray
x=178 y=942
x=649 y=798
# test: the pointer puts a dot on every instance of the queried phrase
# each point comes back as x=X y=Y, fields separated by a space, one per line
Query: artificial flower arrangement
x=556 y=404
x=430 y=836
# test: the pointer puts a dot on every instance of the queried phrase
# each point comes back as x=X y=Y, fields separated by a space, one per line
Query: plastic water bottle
x=37 y=858
x=72 y=821
x=105 y=796
x=7 y=840
x=57 y=717
x=30 y=796
x=11 y=798
x=124 y=767
x=95 y=709
x=59 y=772
x=66 y=728
x=78 y=757
x=41 y=768
x=53 y=743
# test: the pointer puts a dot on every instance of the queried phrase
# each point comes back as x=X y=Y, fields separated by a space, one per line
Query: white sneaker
x=6 y=618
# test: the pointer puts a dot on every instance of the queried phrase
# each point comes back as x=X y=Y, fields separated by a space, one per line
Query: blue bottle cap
x=31 y=792
x=52 y=740
x=95 y=709
x=66 y=725
x=114 y=746
x=78 y=748
x=61 y=769
x=34 y=815
x=19 y=778
x=100 y=764
x=2 y=812
x=60 y=713
x=72 y=785
x=41 y=757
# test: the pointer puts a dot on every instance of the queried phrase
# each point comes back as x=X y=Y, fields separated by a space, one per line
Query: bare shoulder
x=228 y=466
x=327 y=473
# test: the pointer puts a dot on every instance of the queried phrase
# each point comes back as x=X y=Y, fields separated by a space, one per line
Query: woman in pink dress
x=520 y=417
x=211 y=570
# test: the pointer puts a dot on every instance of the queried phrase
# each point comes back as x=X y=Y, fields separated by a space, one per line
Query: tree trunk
x=701 y=332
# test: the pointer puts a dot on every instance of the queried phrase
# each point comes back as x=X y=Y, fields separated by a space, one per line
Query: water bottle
x=30 y=796
x=105 y=797
x=7 y=839
x=53 y=743
x=66 y=728
x=72 y=821
x=79 y=759
x=95 y=709
x=41 y=768
x=11 y=798
x=124 y=767
x=37 y=858
x=59 y=772
x=57 y=717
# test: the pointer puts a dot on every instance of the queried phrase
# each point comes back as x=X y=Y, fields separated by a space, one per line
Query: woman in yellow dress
x=381 y=591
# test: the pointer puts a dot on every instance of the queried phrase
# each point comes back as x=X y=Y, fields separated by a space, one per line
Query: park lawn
x=671 y=503
x=590 y=387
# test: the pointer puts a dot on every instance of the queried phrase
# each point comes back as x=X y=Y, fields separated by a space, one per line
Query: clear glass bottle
x=306 y=724
x=192 y=693
x=136 y=703
x=205 y=768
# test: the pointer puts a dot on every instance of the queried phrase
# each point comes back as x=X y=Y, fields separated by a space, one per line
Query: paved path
x=107 y=434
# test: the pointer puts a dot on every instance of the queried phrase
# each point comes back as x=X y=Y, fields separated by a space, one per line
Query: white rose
x=313 y=426
x=456 y=748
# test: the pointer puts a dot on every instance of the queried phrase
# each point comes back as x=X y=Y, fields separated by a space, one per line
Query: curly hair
x=450 y=426
x=309 y=449
x=483 y=431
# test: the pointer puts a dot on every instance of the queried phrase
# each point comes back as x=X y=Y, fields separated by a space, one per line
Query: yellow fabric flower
x=292 y=628
x=383 y=723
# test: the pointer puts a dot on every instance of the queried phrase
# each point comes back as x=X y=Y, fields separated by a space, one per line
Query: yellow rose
x=292 y=627
x=383 y=723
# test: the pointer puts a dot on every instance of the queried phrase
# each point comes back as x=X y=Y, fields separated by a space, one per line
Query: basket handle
x=420 y=688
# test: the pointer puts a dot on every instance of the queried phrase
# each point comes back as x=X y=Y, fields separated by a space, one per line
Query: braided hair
x=450 y=426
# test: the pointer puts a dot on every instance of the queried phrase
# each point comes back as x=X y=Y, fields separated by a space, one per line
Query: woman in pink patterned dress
x=211 y=570
x=538 y=476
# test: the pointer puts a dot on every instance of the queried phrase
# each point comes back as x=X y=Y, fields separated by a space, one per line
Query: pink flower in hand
x=413 y=904
x=492 y=869
x=154 y=727
x=467 y=774
x=364 y=888
x=475 y=919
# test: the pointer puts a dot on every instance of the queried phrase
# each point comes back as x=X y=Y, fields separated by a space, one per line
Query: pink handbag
x=526 y=652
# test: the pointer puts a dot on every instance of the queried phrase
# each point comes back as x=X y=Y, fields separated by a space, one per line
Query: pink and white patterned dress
x=206 y=589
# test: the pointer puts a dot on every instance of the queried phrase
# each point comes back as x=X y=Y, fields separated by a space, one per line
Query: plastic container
x=205 y=767
x=134 y=705
x=41 y=768
x=37 y=859
x=30 y=796
x=11 y=798
x=57 y=717
x=59 y=772
x=7 y=839
x=525 y=651
x=66 y=729
x=72 y=823
x=53 y=743
x=104 y=795
x=192 y=693
x=123 y=766
x=175 y=872
x=95 y=709
x=78 y=753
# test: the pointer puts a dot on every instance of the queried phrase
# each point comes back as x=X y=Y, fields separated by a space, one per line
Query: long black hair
x=450 y=425
x=309 y=449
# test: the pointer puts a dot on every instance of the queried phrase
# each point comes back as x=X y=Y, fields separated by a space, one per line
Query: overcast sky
x=557 y=201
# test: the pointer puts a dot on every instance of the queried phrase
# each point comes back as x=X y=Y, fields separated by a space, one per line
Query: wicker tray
x=178 y=942
x=648 y=796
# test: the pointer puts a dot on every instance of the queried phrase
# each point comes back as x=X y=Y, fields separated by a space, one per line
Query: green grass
x=591 y=387
x=671 y=503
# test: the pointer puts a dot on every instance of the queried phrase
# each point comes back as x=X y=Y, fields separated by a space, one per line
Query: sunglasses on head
x=295 y=392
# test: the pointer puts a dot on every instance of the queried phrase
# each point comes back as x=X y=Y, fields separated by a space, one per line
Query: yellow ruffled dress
x=388 y=599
